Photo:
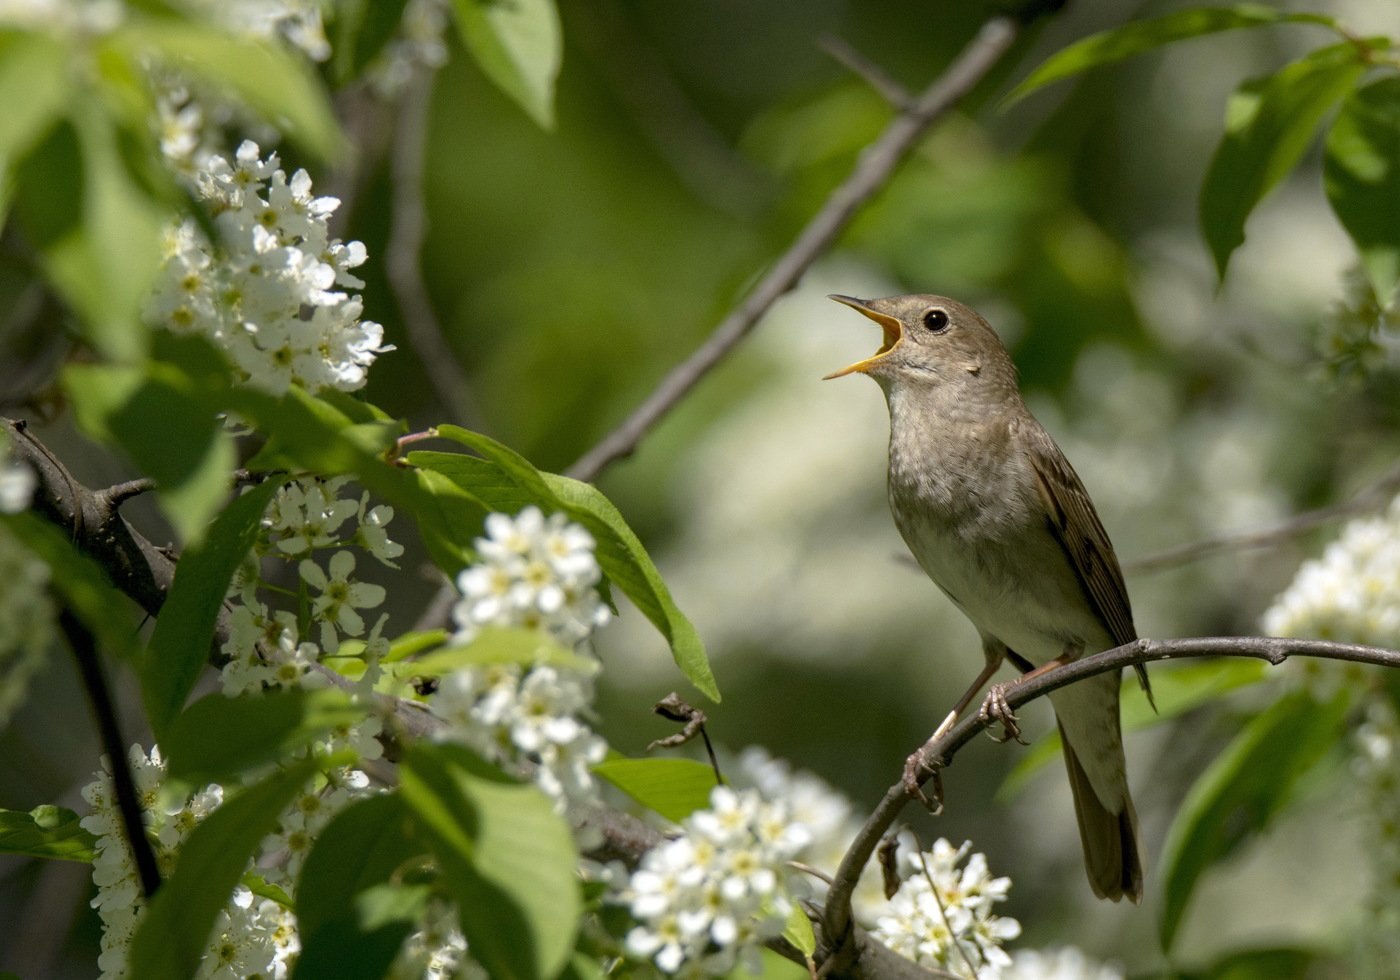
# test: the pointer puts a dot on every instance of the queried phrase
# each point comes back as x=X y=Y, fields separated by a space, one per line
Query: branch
x=837 y=916
x=1372 y=498
x=873 y=169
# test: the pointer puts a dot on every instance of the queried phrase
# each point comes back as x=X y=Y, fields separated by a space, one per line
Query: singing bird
x=997 y=517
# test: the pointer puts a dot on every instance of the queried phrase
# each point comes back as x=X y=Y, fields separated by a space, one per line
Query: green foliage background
x=572 y=266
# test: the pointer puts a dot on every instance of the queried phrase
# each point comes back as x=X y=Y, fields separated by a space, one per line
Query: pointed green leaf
x=1269 y=124
x=354 y=906
x=185 y=628
x=518 y=44
x=35 y=84
x=674 y=788
x=1362 y=177
x=171 y=939
x=271 y=81
x=1138 y=36
x=798 y=931
x=1241 y=791
x=506 y=857
x=218 y=738
x=46 y=832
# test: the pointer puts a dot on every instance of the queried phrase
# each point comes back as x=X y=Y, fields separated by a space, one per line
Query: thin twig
x=1372 y=498
x=118 y=494
x=871 y=172
x=104 y=710
x=404 y=254
x=868 y=71
x=940 y=751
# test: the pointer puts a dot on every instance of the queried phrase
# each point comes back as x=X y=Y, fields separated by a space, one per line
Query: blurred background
x=570 y=269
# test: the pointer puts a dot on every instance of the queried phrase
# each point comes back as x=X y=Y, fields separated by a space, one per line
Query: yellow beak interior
x=890 y=325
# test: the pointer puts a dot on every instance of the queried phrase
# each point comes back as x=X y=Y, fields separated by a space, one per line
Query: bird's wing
x=1075 y=524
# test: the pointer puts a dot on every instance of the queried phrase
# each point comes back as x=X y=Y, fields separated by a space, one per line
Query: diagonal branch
x=872 y=171
x=836 y=919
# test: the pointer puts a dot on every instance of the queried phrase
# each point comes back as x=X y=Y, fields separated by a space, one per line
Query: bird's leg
x=995 y=707
x=923 y=762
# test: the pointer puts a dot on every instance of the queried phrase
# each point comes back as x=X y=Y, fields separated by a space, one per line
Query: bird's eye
x=936 y=320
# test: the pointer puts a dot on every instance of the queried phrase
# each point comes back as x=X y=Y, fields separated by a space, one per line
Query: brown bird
x=997 y=517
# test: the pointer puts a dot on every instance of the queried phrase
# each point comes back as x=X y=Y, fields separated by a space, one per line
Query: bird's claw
x=916 y=767
x=995 y=709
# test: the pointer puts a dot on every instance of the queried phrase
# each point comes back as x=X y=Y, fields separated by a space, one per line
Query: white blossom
x=942 y=917
x=1060 y=963
x=707 y=899
x=1352 y=592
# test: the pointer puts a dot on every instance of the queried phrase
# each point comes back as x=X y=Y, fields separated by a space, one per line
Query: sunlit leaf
x=518 y=44
x=46 y=832
x=674 y=788
x=1362 y=176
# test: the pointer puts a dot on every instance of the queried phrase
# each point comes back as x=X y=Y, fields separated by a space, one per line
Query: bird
x=995 y=515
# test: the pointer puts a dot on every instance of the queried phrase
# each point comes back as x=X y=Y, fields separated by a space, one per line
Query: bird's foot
x=917 y=768
x=995 y=709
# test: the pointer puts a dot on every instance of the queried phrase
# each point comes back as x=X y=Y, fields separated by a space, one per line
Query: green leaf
x=1178 y=689
x=518 y=44
x=448 y=518
x=46 y=832
x=501 y=645
x=798 y=931
x=271 y=81
x=353 y=909
x=171 y=939
x=413 y=643
x=674 y=788
x=1268 y=126
x=161 y=418
x=35 y=84
x=82 y=583
x=506 y=481
x=185 y=627
x=218 y=738
x=506 y=857
x=1241 y=791
x=1139 y=36
x=1361 y=172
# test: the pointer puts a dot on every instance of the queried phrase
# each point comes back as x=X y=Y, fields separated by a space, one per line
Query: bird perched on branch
x=997 y=517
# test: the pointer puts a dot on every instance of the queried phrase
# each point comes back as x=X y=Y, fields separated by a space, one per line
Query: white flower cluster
x=1351 y=593
x=296 y=21
x=535 y=572
x=252 y=936
x=706 y=900
x=17 y=482
x=265 y=291
x=1060 y=963
x=84 y=17
x=941 y=916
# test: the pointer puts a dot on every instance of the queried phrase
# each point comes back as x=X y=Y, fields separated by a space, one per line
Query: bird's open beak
x=890 y=325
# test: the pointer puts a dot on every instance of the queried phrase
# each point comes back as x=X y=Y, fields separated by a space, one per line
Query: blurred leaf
x=270 y=80
x=1268 y=126
x=184 y=629
x=353 y=908
x=1362 y=176
x=506 y=857
x=502 y=645
x=1181 y=688
x=360 y=31
x=46 y=832
x=1136 y=37
x=518 y=45
x=82 y=584
x=98 y=233
x=798 y=931
x=1241 y=791
x=165 y=423
x=35 y=84
x=170 y=941
x=411 y=644
x=674 y=788
x=218 y=738
x=510 y=482
x=1262 y=964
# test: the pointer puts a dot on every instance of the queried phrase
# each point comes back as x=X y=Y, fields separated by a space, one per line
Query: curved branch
x=836 y=918
x=873 y=169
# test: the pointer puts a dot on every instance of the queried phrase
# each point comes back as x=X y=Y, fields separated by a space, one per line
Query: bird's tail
x=1112 y=853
